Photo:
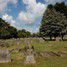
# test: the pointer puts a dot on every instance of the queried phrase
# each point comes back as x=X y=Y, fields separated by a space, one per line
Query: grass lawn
x=40 y=46
x=42 y=62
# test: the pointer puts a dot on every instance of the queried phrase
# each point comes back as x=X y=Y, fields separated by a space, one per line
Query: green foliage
x=28 y=34
x=61 y=7
x=23 y=33
x=7 y=31
x=53 y=23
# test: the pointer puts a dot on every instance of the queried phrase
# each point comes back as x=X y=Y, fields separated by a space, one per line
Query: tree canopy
x=23 y=33
x=7 y=31
x=54 y=23
x=61 y=7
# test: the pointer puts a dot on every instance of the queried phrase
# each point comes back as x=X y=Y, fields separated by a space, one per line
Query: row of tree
x=54 y=21
x=7 y=31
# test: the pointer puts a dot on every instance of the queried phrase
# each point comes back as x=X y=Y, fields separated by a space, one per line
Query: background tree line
x=7 y=31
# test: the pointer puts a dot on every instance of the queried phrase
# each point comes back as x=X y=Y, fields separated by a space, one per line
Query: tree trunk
x=50 y=38
x=62 y=36
x=44 y=38
x=54 y=38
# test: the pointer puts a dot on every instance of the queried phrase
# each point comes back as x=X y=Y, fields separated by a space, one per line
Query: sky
x=25 y=14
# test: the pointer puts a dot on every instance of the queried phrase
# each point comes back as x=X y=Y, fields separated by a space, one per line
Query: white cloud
x=23 y=16
x=32 y=30
x=13 y=1
x=3 y=3
x=34 y=11
x=31 y=2
x=53 y=1
x=9 y=19
x=26 y=17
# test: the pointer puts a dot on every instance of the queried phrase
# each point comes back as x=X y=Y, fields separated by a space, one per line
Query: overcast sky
x=25 y=14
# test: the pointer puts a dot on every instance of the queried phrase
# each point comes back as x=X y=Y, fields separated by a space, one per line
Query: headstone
x=57 y=38
x=30 y=56
x=5 y=56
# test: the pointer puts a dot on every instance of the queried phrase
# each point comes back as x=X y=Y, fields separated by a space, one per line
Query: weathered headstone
x=5 y=56
x=30 y=56
x=58 y=39
x=30 y=59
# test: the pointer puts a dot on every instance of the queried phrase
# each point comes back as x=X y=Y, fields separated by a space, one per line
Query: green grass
x=40 y=46
x=46 y=62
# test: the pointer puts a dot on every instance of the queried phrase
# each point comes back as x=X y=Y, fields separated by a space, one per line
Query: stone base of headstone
x=30 y=59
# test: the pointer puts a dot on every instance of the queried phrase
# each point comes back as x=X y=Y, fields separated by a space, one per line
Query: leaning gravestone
x=30 y=56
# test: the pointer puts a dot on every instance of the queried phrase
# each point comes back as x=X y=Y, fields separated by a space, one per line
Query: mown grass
x=40 y=46
x=46 y=62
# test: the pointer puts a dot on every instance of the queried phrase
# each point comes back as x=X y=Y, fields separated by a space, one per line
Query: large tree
x=53 y=23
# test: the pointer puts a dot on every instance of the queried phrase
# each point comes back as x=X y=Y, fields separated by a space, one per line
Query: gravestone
x=30 y=55
x=58 y=39
x=5 y=56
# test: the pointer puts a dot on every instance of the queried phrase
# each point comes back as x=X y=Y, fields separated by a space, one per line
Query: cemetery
x=33 y=33
x=33 y=52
